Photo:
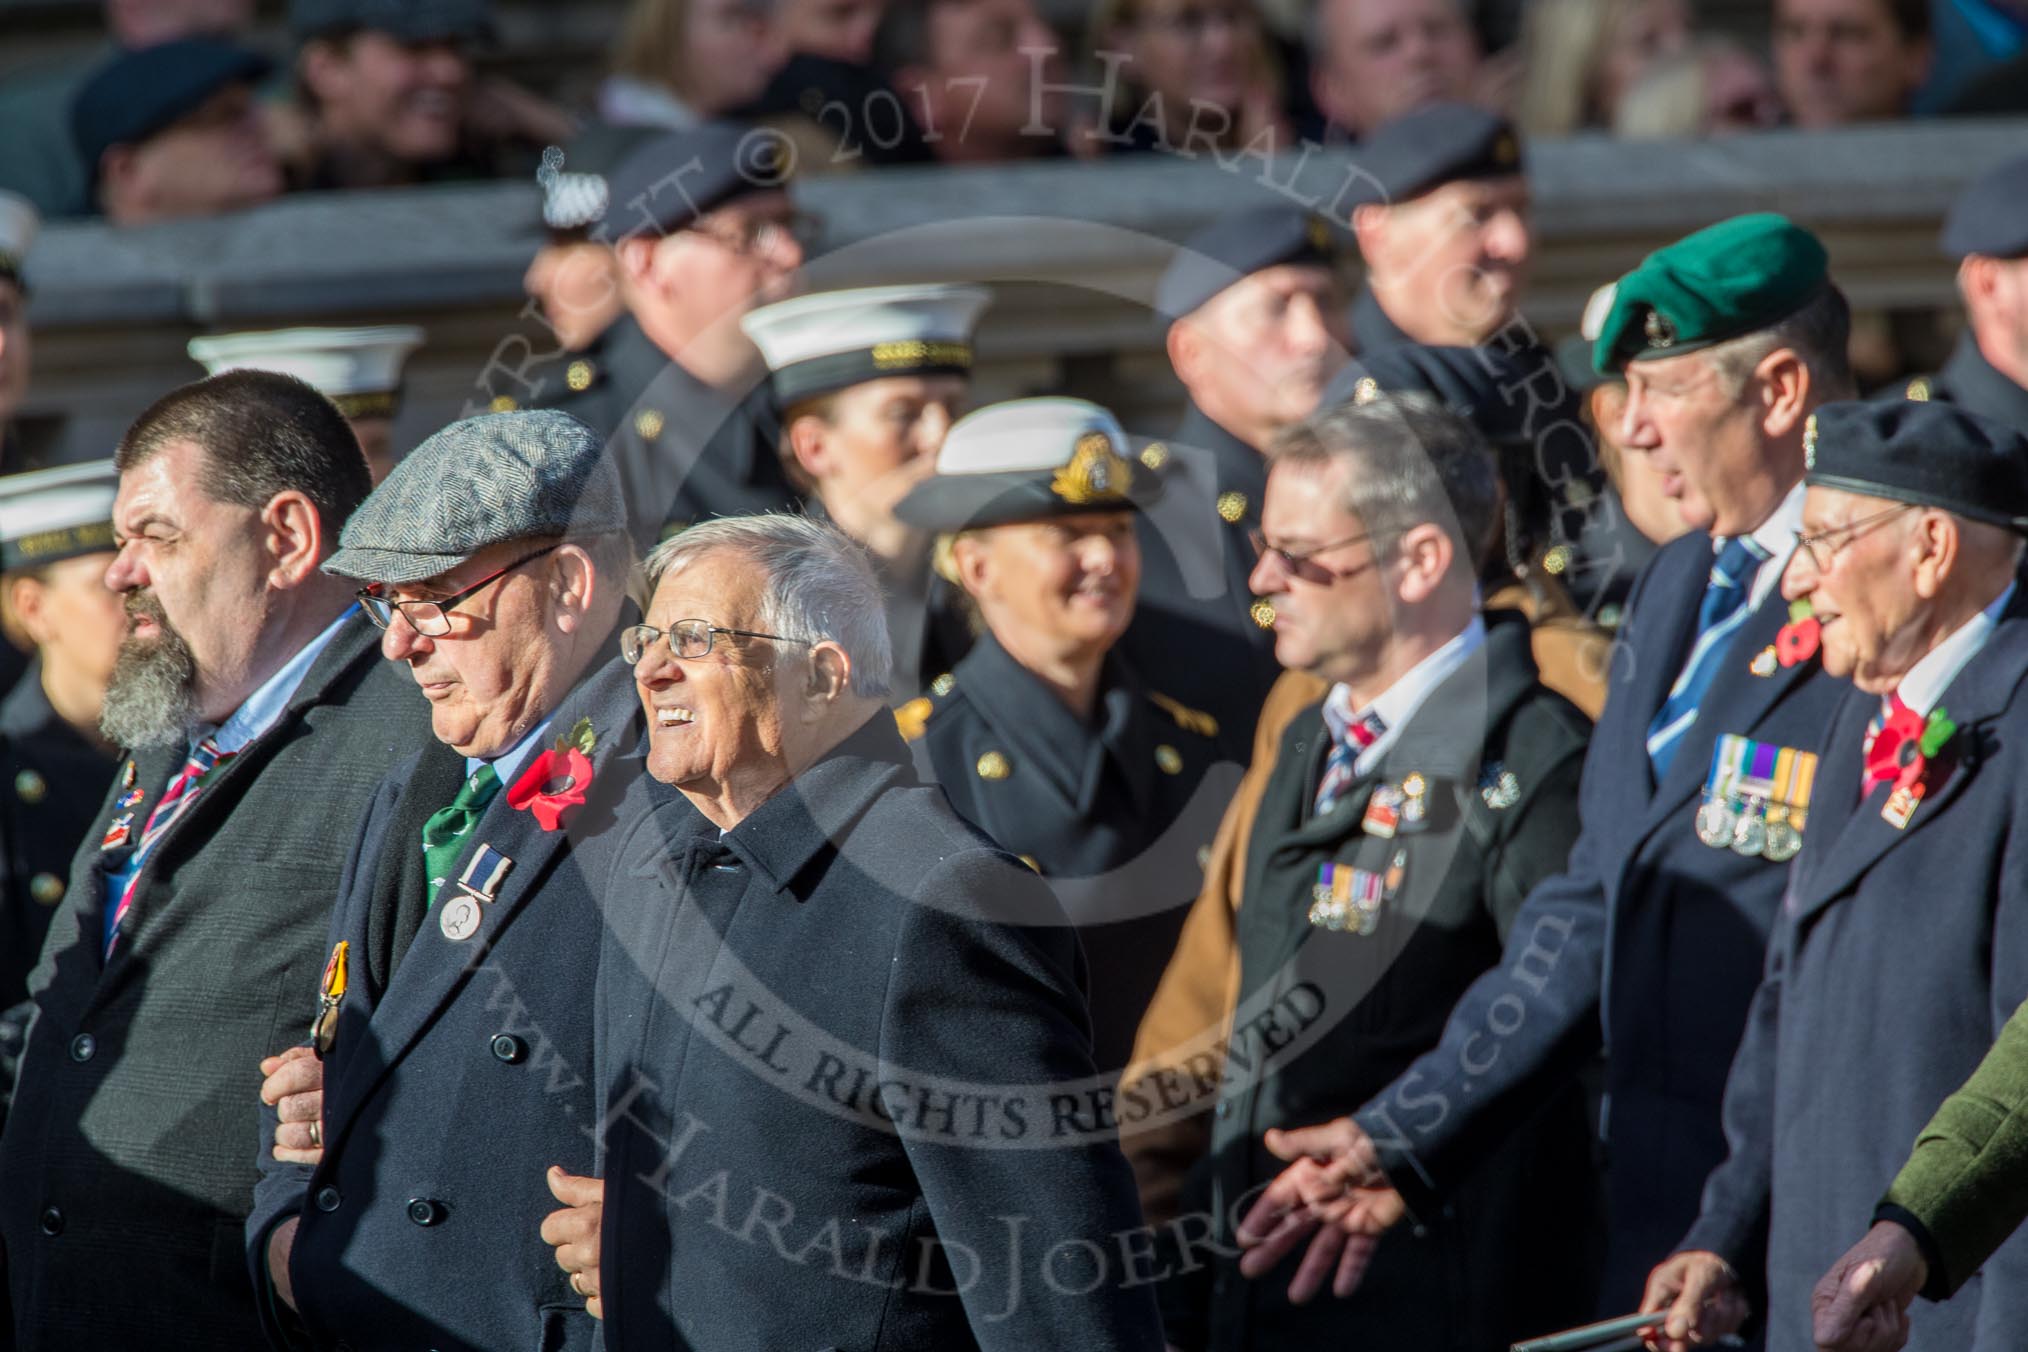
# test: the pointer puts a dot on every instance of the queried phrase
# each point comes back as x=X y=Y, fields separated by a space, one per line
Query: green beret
x=1734 y=278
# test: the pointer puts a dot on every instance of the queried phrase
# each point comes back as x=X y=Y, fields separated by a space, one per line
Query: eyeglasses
x=432 y=619
x=1823 y=555
x=762 y=236
x=687 y=638
x=1303 y=563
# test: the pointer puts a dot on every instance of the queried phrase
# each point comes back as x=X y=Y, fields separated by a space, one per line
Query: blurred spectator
x=18 y=224
x=574 y=279
x=1373 y=60
x=1843 y=61
x=1193 y=71
x=359 y=370
x=679 y=62
x=1999 y=91
x=172 y=131
x=38 y=156
x=1580 y=57
x=837 y=30
x=1975 y=40
x=387 y=96
x=976 y=74
x=1715 y=87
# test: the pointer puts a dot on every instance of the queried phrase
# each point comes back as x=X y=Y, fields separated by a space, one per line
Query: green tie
x=443 y=835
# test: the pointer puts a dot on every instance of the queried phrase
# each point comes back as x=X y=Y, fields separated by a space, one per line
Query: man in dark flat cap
x=454 y=1002
x=258 y=718
x=1255 y=332
x=1693 y=797
x=388 y=96
x=1901 y=948
x=172 y=130
x=1987 y=232
x=703 y=230
x=1443 y=224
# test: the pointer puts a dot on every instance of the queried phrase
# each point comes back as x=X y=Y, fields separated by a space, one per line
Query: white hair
x=817 y=585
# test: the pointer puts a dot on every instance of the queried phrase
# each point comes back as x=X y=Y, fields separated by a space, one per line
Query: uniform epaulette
x=913 y=717
x=1187 y=718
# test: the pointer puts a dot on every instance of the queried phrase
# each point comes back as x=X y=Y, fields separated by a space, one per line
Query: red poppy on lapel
x=1796 y=641
x=557 y=780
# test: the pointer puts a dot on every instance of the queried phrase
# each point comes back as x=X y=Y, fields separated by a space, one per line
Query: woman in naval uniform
x=1042 y=735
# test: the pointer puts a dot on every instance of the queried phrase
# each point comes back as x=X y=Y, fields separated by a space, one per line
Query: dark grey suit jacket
x=126 y=1172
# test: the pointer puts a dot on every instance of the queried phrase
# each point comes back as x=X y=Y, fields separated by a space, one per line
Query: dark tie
x=443 y=835
x=1360 y=734
x=1723 y=611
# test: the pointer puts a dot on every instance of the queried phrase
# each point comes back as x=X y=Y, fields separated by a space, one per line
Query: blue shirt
x=263 y=709
x=509 y=762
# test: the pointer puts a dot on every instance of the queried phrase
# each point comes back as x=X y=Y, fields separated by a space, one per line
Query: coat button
x=509 y=1048
x=424 y=1211
x=83 y=1047
x=50 y=1221
x=328 y=1198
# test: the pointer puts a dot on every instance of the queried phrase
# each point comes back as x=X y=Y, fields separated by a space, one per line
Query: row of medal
x=1347 y=899
x=1756 y=798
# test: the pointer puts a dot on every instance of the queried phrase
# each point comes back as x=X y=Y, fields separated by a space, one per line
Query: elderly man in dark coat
x=851 y=1100
x=1902 y=945
x=455 y=1004
x=259 y=717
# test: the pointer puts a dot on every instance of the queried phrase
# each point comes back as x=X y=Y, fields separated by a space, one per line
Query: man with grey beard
x=258 y=719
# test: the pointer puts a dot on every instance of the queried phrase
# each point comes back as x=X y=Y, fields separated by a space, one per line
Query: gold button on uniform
x=1263 y=612
x=29 y=787
x=46 y=888
x=502 y=403
x=1154 y=455
x=943 y=685
x=994 y=765
x=648 y=424
x=1169 y=759
x=578 y=375
x=1231 y=506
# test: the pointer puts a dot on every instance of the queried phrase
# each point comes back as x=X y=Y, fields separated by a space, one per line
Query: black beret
x=672 y=180
x=1237 y=245
x=1434 y=145
x=1934 y=454
x=1483 y=385
x=138 y=93
x=407 y=20
x=1991 y=216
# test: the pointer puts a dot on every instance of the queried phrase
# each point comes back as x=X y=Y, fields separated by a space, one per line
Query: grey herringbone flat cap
x=479 y=482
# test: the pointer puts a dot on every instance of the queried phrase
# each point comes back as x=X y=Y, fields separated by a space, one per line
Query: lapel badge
x=330 y=992
x=1901 y=805
x=1498 y=787
x=117 y=831
x=1383 y=812
x=1764 y=661
x=1414 y=801
x=459 y=917
x=127 y=775
x=131 y=798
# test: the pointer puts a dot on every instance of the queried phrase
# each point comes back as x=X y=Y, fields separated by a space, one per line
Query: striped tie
x=176 y=799
x=1723 y=611
x=1360 y=734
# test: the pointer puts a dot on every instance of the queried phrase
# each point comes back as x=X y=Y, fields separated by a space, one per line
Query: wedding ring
x=316 y=1134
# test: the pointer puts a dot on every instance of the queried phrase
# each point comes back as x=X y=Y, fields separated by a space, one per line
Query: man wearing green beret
x=1901 y=948
x=1695 y=794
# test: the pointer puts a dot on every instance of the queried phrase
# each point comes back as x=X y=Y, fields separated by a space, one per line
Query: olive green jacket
x=1966 y=1184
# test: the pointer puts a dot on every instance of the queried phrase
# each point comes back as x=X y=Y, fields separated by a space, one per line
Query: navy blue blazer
x=1898 y=956
x=454 y=1085
x=1649 y=937
x=851 y=1101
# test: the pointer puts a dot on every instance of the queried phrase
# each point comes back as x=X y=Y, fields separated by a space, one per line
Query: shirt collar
x=509 y=762
x=1777 y=538
x=266 y=705
x=1397 y=704
x=1928 y=679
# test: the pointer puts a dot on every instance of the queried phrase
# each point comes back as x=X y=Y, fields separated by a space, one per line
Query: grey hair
x=817 y=585
x=1410 y=461
x=1820 y=334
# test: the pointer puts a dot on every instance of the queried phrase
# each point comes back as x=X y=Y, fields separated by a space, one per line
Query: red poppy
x=555 y=783
x=1896 y=754
x=1796 y=642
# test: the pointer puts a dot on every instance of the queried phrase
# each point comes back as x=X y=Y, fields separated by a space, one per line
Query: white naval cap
x=357 y=369
x=1029 y=460
x=18 y=223
x=52 y=514
x=825 y=342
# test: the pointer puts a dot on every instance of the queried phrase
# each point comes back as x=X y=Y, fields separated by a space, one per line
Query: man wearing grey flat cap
x=258 y=719
x=450 y=1060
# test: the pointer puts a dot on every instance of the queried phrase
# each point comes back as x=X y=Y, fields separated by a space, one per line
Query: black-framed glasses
x=762 y=236
x=687 y=638
x=1303 y=563
x=432 y=619
x=1823 y=553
